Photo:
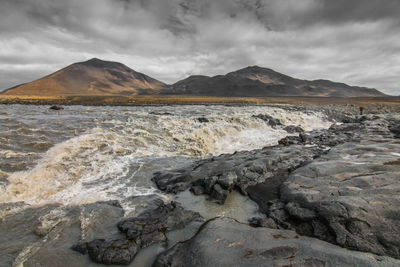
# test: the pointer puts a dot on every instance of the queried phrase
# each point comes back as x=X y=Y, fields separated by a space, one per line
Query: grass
x=184 y=100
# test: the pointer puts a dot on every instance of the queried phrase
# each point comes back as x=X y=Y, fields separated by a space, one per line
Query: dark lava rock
x=160 y=113
x=147 y=228
x=225 y=242
x=394 y=127
x=242 y=169
x=220 y=175
x=203 y=120
x=269 y=119
x=56 y=107
x=119 y=251
x=293 y=129
x=263 y=222
x=347 y=196
x=218 y=194
x=197 y=190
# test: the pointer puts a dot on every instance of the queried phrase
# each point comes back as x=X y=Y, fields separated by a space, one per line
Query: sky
x=356 y=42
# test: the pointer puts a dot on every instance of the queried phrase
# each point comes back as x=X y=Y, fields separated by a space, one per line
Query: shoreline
x=195 y=100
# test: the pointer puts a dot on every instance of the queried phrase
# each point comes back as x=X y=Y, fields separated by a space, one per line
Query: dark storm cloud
x=354 y=41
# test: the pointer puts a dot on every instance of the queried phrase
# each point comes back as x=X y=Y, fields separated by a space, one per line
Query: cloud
x=356 y=42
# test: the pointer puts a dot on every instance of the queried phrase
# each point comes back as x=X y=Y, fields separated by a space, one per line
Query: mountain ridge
x=99 y=77
x=258 y=81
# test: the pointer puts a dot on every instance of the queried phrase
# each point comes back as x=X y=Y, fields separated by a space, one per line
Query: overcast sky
x=351 y=41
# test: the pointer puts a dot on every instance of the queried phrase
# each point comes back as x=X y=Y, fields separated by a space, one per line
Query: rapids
x=82 y=154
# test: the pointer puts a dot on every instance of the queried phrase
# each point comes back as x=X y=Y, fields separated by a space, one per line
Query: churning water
x=85 y=154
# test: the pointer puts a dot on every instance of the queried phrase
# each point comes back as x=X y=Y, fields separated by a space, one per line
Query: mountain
x=96 y=77
x=92 y=77
x=256 y=81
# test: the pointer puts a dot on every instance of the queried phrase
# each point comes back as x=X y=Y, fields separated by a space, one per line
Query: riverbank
x=195 y=100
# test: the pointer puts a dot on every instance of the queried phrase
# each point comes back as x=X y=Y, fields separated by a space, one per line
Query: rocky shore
x=325 y=198
x=339 y=185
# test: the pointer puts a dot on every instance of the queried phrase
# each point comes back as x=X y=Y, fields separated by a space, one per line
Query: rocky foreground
x=341 y=186
x=327 y=198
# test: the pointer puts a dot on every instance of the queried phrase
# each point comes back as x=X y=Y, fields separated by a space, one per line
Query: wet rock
x=394 y=127
x=352 y=193
x=234 y=172
x=269 y=119
x=295 y=210
x=160 y=113
x=56 y=107
x=197 y=190
x=148 y=228
x=203 y=120
x=293 y=129
x=119 y=251
x=228 y=180
x=263 y=222
x=225 y=242
x=218 y=194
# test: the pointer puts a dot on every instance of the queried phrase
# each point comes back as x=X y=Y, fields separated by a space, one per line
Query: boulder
x=148 y=228
x=293 y=129
x=226 y=242
x=203 y=120
x=56 y=107
x=273 y=122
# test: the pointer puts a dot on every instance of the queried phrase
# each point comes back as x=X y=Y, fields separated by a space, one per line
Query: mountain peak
x=98 y=63
x=255 y=70
x=91 y=77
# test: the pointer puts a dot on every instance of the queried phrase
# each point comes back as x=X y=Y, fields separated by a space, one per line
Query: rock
x=394 y=127
x=353 y=192
x=263 y=222
x=225 y=242
x=203 y=120
x=227 y=180
x=50 y=230
x=160 y=113
x=119 y=251
x=197 y=190
x=269 y=119
x=346 y=196
x=56 y=107
x=148 y=228
x=218 y=194
x=236 y=171
x=293 y=129
x=295 y=210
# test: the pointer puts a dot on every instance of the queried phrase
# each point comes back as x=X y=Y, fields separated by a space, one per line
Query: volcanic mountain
x=96 y=77
x=257 y=82
x=92 y=77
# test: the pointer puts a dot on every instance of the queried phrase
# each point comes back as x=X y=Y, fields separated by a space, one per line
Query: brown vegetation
x=169 y=100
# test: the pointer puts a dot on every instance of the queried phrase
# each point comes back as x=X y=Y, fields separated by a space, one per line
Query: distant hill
x=257 y=81
x=92 y=77
x=96 y=77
